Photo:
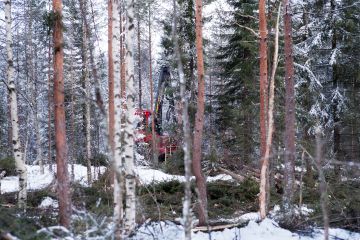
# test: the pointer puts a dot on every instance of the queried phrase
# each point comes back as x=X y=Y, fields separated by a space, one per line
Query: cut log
x=215 y=228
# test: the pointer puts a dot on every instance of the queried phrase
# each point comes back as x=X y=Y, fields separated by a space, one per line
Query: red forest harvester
x=165 y=145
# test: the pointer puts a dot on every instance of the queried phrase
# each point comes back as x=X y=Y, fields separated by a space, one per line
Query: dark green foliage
x=24 y=225
x=225 y=198
x=175 y=163
x=34 y=198
x=97 y=199
x=238 y=76
x=8 y=164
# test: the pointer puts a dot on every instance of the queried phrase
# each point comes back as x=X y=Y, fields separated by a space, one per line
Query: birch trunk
x=16 y=145
x=264 y=176
x=118 y=165
x=60 y=131
x=289 y=158
x=199 y=118
x=186 y=131
x=128 y=148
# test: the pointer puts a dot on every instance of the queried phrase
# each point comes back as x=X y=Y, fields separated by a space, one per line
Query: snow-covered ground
x=268 y=229
x=37 y=181
x=265 y=230
x=147 y=176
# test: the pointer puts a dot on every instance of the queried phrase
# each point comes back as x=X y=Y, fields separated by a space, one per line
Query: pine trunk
x=289 y=158
x=60 y=131
x=199 y=118
x=264 y=174
x=16 y=145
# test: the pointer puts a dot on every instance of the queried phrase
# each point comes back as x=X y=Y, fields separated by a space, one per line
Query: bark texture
x=128 y=148
x=263 y=76
x=264 y=176
x=86 y=78
x=199 y=118
x=186 y=131
x=289 y=158
x=118 y=164
x=111 y=75
x=16 y=145
x=60 y=131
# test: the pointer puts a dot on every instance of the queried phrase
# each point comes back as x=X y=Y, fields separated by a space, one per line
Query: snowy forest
x=182 y=119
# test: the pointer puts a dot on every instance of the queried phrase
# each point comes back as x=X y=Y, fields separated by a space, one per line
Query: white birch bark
x=129 y=128
x=186 y=130
x=118 y=165
x=18 y=155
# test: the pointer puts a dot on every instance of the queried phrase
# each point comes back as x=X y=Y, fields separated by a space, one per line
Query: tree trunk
x=50 y=97
x=111 y=75
x=264 y=174
x=128 y=148
x=289 y=158
x=60 y=131
x=335 y=113
x=186 y=131
x=139 y=56
x=118 y=165
x=199 y=118
x=16 y=145
x=263 y=76
x=323 y=184
x=33 y=79
x=83 y=8
x=153 y=134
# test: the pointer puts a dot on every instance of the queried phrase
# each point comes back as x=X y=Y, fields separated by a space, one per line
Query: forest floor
x=231 y=204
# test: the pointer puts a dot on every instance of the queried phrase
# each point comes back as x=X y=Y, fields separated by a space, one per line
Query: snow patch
x=147 y=176
x=37 y=181
x=48 y=202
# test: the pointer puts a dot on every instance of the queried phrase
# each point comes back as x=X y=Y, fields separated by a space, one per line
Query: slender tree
x=60 y=131
x=199 y=118
x=86 y=79
x=111 y=75
x=16 y=145
x=289 y=141
x=264 y=176
x=118 y=162
x=139 y=54
x=129 y=129
x=153 y=134
x=186 y=130
x=263 y=76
